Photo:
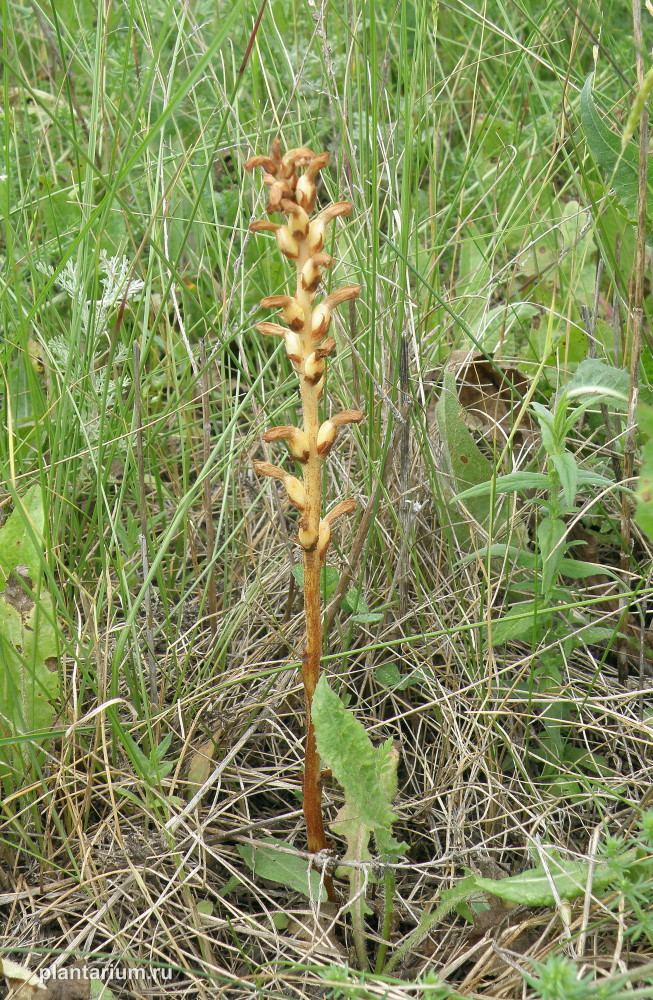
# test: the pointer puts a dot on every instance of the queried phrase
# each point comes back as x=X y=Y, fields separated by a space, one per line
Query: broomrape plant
x=308 y=344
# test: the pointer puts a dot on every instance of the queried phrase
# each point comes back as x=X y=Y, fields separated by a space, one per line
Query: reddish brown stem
x=301 y=241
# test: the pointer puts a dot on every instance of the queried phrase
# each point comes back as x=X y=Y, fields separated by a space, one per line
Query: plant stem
x=312 y=568
x=302 y=240
x=388 y=911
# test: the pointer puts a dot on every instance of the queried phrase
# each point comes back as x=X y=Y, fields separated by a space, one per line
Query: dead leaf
x=17 y=592
x=76 y=986
x=23 y=984
x=315 y=931
x=491 y=395
x=200 y=766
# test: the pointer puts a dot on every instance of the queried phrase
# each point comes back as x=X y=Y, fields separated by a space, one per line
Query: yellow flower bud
x=305 y=190
x=313 y=367
x=326 y=437
x=296 y=492
x=307 y=537
x=320 y=321
x=278 y=192
x=327 y=432
x=294 y=348
x=298 y=221
x=321 y=318
x=292 y=311
x=312 y=270
x=295 y=158
x=294 y=487
x=305 y=193
x=287 y=243
x=295 y=437
x=324 y=538
x=320 y=222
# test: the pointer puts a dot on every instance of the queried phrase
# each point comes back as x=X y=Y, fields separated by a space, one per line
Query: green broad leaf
x=463 y=462
x=587 y=478
x=461 y=892
x=596 y=633
x=388 y=674
x=330 y=578
x=100 y=991
x=512 y=483
x=575 y=569
x=550 y=533
x=287 y=869
x=645 y=418
x=232 y=882
x=366 y=773
x=354 y=602
x=533 y=888
x=29 y=680
x=526 y=619
x=20 y=536
x=620 y=167
x=644 y=493
x=158 y=753
x=369 y=618
x=594 y=378
x=567 y=468
x=548 y=430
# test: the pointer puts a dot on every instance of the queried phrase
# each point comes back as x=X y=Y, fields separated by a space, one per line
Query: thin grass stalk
x=211 y=589
x=632 y=353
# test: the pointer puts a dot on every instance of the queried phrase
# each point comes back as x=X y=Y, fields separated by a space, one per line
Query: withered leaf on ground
x=491 y=395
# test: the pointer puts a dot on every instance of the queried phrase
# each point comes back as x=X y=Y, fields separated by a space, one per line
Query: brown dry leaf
x=17 y=591
x=70 y=988
x=317 y=931
x=23 y=984
x=491 y=394
x=200 y=765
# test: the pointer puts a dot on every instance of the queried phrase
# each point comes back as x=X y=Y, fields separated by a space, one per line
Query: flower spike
x=301 y=238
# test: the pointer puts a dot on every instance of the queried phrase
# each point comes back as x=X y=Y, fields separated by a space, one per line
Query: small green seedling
x=368 y=776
